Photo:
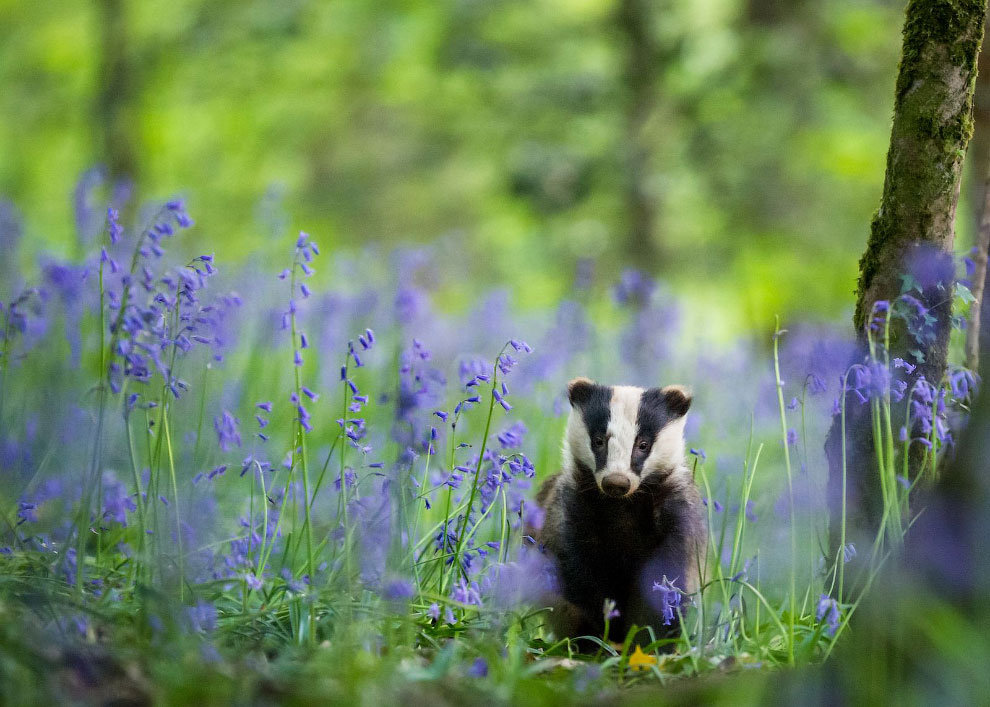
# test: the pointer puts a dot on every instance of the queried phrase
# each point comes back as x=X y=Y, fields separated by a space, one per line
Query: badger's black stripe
x=656 y=410
x=595 y=405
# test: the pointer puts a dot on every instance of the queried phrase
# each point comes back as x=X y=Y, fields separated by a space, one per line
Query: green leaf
x=908 y=283
x=964 y=294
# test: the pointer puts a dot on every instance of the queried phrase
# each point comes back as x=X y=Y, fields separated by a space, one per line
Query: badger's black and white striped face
x=622 y=434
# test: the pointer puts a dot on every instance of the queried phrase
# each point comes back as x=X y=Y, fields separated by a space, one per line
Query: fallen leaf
x=640 y=660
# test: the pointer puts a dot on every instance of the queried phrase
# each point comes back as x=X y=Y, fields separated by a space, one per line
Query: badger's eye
x=598 y=442
x=642 y=445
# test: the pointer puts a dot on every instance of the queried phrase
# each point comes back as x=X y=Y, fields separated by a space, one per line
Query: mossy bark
x=932 y=126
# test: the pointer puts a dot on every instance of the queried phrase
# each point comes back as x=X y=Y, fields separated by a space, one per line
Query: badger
x=624 y=512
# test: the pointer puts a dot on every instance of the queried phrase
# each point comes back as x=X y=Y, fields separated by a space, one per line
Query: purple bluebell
x=634 y=288
x=398 y=589
x=512 y=437
x=478 y=669
x=750 y=512
x=669 y=599
x=828 y=610
x=227 y=429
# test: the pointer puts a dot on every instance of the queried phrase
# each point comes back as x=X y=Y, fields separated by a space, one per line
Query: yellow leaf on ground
x=640 y=660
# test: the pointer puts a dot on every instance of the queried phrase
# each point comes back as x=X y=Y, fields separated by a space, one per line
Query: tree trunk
x=982 y=306
x=978 y=156
x=114 y=110
x=640 y=77
x=977 y=334
x=978 y=160
x=932 y=125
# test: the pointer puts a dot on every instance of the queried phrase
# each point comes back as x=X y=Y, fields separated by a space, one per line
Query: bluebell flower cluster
x=669 y=599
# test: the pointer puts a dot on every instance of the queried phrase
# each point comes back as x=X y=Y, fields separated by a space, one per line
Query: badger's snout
x=615 y=485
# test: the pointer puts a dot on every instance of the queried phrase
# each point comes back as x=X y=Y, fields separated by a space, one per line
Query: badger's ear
x=677 y=398
x=579 y=391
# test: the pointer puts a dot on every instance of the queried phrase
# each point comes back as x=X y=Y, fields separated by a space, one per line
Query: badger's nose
x=615 y=485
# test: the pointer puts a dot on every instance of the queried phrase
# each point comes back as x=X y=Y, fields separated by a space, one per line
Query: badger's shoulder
x=548 y=490
x=549 y=498
x=680 y=516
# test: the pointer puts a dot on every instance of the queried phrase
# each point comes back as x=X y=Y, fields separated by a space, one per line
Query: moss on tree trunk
x=932 y=126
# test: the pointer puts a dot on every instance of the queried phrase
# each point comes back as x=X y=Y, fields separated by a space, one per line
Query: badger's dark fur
x=624 y=512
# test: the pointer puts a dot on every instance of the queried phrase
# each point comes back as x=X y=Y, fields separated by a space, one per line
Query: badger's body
x=624 y=513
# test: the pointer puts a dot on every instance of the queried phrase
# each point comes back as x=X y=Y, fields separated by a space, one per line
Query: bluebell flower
x=609 y=611
x=962 y=382
x=113 y=225
x=500 y=399
x=828 y=610
x=253 y=581
x=478 y=669
x=635 y=288
x=715 y=504
x=533 y=516
x=506 y=363
x=816 y=384
x=901 y=363
x=226 y=427
x=398 y=589
x=27 y=512
x=217 y=471
x=465 y=592
x=202 y=617
x=750 y=513
x=669 y=599
x=512 y=437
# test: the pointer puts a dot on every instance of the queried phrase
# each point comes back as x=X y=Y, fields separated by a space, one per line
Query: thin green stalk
x=138 y=501
x=842 y=528
x=503 y=542
x=175 y=497
x=342 y=497
x=445 y=523
x=790 y=486
x=301 y=434
x=481 y=458
x=326 y=464
x=419 y=506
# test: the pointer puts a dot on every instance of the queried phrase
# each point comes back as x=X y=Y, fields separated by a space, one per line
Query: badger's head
x=620 y=435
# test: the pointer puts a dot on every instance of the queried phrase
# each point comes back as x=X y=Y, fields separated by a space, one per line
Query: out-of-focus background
x=734 y=148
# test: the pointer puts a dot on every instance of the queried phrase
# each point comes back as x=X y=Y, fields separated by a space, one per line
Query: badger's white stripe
x=622 y=433
x=668 y=449
x=577 y=442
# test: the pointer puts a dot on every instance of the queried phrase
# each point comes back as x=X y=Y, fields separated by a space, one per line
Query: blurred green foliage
x=501 y=123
